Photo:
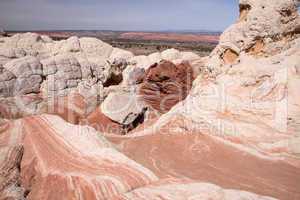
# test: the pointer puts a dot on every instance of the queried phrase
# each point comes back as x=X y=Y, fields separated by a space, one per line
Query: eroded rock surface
x=10 y=161
x=237 y=127
x=61 y=158
x=183 y=189
x=265 y=28
x=166 y=84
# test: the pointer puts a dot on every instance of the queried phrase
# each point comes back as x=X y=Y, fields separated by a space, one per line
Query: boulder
x=124 y=108
x=165 y=84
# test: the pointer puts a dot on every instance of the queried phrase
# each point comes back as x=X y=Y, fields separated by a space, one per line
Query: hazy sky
x=117 y=14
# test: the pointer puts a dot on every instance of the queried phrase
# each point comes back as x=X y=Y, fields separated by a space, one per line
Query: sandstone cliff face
x=233 y=133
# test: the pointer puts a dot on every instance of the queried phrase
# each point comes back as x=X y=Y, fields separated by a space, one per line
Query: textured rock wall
x=265 y=28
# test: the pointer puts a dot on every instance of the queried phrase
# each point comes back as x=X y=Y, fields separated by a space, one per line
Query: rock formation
x=10 y=160
x=178 y=189
x=232 y=133
x=61 y=158
x=165 y=84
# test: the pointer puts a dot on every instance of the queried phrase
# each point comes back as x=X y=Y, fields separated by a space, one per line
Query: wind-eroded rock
x=98 y=120
x=62 y=65
x=238 y=127
x=179 y=147
x=265 y=28
x=28 y=76
x=165 y=84
x=10 y=161
x=73 y=161
x=177 y=189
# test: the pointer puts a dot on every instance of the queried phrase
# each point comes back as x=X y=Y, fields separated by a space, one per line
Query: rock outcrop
x=124 y=108
x=10 y=161
x=28 y=73
x=76 y=161
x=232 y=133
x=265 y=28
x=165 y=84
x=145 y=62
x=183 y=189
x=61 y=64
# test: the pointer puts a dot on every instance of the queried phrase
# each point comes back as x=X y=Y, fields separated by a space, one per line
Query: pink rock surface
x=102 y=123
x=73 y=161
x=174 y=150
x=177 y=189
x=236 y=126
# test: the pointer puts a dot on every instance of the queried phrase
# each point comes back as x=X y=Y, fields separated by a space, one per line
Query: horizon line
x=121 y=30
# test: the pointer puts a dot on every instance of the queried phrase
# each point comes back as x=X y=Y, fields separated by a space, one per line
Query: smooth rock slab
x=64 y=160
x=177 y=189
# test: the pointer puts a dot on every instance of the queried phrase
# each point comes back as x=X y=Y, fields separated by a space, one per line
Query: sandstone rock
x=30 y=43
x=189 y=56
x=244 y=107
x=136 y=76
x=256 y=89
x=102 y=123
x=61 y=72
x=179 y=149
x=114 y=72
x=165 y=84
x=183 y=189
x=72 y=155
x=28 y=73
x=10 y=160
x=69 y=45
x=7 y=83
x=170 y=54
x=120 y=54
x=256 y=32
x=80 y=59
x=72 y=107
x=95 y=47
x=238 y=128
x=124 y=108
x=20 y=106
x=155 y=57
x=139 y=63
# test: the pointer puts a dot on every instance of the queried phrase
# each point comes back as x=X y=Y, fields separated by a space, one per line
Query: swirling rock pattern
x=61 y=158
x=182 y=189
x=233 y=133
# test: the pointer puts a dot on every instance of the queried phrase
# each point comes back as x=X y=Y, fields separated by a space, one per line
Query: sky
x=212 y=15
